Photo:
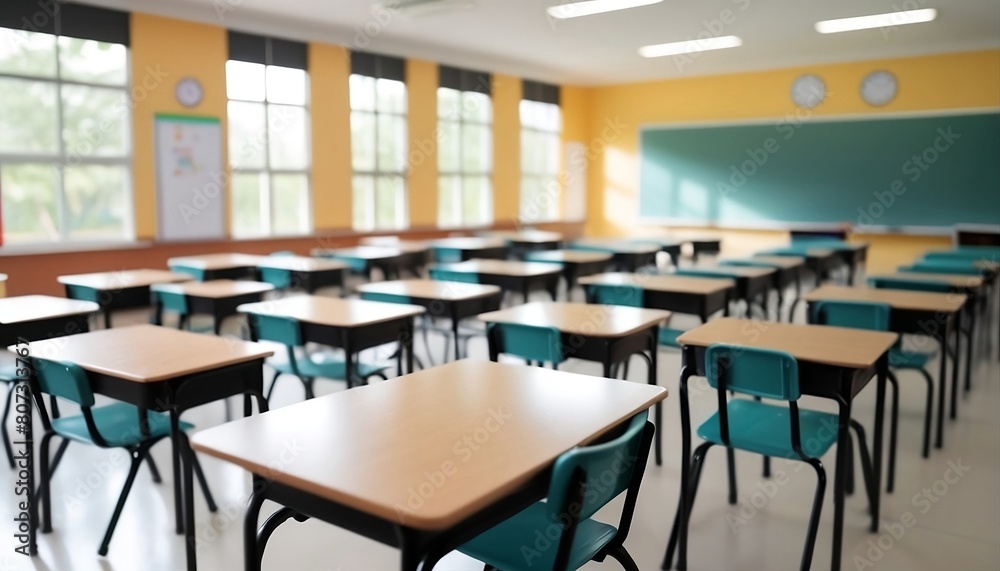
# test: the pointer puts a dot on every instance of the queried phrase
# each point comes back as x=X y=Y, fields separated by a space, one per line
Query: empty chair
x=297 y=361
x=176 y=302
x=115 y=425
x=280 y=278
x=583 y=481
x=763 y=428
x=529 y=342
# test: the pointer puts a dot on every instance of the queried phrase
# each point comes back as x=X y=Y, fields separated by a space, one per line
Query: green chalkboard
x=886 y=171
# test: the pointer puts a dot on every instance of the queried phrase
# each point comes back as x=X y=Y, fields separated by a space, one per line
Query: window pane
x=477 y=151
x=551 y=145
x=389 y=204
x=290 y=204
x=449 y=200
x=363 y=202
x=449 y=146
x=477 y=107
x=244 y=80
x=390 y=96
x=247 y=135
x=362 y=92
x=95 y=122
x=363 y=141
x=551 y=117
x=27 y=53
x=449 y=104
x=287 y=85
x=529 y=113
x=391 y=143
x=477 y=200
x=539 y=198
x=532 y=152
x=92 y=61
x=29 y=203
x=288 y=136
x=28 y=117
x=96 y=201
x=247 y=219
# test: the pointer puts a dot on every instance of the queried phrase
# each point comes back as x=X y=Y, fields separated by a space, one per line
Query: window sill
x=69 y=247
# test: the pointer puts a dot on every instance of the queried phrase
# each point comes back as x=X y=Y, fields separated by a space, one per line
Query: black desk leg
x=526 y=289
x=408 y=344
x=454 y=333
x=687 y=370
x=175 y=446
x=839 y=475
x=192 y=553
x=883 y=373
x=107 y=317
x=409 y=550
x=955 y=363
x=969 y=345
x=251 y=553
x=942 y=338
x=658 y=410
x=349 y=359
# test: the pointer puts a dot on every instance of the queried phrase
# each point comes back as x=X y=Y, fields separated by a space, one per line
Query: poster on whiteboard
x=190 y=178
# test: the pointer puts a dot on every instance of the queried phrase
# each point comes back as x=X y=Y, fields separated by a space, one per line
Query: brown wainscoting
x=36 y=273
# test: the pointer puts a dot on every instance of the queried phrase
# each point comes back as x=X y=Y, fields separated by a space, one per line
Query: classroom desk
x=460 y=249
x=703 y=245
x=607 y=334
x=526 y=241
x=834 y=362
x=166 y=370
x=575 y=263
x=309 y=274
x=852 y=254
x=349 y=324
x=669 y=246
x=626 y=256
x=33 y=317
x=679 y=294
x=751 y=282
x=531 y=416
x=218 y=298
x=969 y=286
x=390 y=260
x=118 y=290
x=512 y=275
x=912 y=312
x=416 y=254
x=453 y=300
x=788 y=272
x=217 y=266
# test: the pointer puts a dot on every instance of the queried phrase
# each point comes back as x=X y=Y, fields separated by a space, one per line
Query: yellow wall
x=507 y=92
x=163 y=52
x=421 y=89
x=330 y=107
x=951 y=81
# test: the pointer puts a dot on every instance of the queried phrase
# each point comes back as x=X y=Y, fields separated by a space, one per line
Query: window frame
x=61 y=158
x=459 y=196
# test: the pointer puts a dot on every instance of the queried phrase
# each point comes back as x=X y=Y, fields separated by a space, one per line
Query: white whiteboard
x=190 y=178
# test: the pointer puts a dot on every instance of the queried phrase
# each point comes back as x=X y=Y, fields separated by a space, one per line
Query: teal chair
x=447 y=255
x=197 y=273
x=296 y=361
x=875 y=316
x=110 y=426
x=446 y=275
x=176 y=302
x=912 y=285
x=529 y=342
x=762 y=428
x=583 y=481
x=280 y=278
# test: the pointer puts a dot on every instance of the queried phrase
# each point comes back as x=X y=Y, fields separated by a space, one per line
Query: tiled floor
x=953 y=526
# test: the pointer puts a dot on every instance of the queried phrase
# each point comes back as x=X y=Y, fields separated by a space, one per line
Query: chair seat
x=766 y=429
x=118 y=423
x=324 y=365
x=668 y=337
x=899 y=359
x=511 y=545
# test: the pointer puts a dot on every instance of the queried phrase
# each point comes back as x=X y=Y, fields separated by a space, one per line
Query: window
x=465 y=148
x=378 y=142
x=541 y=128
x=269 y=136
x=65 y=125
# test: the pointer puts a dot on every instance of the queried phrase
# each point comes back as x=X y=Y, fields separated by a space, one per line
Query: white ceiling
x=517 y=37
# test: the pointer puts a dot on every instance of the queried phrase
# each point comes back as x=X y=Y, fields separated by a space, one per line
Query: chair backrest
x=608 y=468
x=911 y=285
x=443 y=275
x=856 y=314
x=357 y=265
x=83 y=293
x=278 y=277
x=172 y=301
x=64 y=380
x=762 y=373
x=963 y=267
x=447 y=255
x=197 y=273
x=617 y=294
x=384 y=297
x=279 y=329
x=530 y=342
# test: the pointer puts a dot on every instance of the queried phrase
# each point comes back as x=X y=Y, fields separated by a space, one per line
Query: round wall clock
x=808 y=91
x=189 y=92
x=878 y=88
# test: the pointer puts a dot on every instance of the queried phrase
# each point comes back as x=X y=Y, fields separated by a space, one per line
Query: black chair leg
x=307 y=382
x=46 y=475
x=867 y=472
x=928 y=411
x=59 y=455
x=817 y=508
x=731 y=461
x=274 y=381
x=893 y=426
x=622 y=556
x=3 y=424
x=849 y=468
x=196 y=464
x=696 y=463
x=137 y=457
x=625 y=368
x=153 y=469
